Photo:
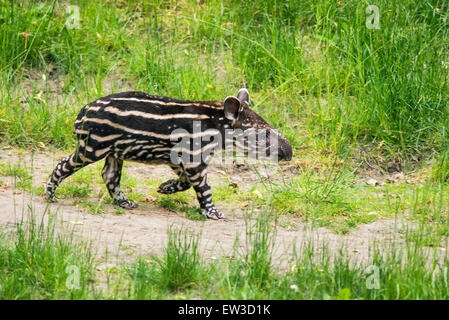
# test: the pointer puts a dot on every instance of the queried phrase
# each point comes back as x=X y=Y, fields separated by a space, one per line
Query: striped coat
x=135 y=126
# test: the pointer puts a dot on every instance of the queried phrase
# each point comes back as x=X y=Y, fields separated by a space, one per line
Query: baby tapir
x=136 y=126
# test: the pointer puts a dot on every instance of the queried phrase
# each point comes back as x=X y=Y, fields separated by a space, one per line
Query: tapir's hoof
x=127 y=204
x=168 y=187
x=212 y=213
x=50 y=199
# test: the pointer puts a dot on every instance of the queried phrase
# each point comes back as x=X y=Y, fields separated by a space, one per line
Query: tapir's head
x=250 y=129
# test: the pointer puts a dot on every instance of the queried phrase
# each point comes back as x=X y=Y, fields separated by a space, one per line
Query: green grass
x=179 y=268
x=93 y=207
x=181 y=202
x=339 y=91
x=408 y=272
x=345 y=95
x=38 y=263
x=21 y=175
x=332 y=196
x=314 y=64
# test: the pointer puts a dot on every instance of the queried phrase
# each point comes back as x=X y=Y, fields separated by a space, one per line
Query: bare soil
x=143 y=231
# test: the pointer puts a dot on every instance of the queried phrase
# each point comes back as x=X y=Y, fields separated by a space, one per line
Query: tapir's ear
x=232 y=108
x=243 y=95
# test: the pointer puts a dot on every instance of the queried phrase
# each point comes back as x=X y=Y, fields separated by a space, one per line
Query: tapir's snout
x=282 y=146
x=285 y=151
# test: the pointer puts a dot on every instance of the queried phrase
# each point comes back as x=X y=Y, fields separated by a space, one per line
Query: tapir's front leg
x=198 y=178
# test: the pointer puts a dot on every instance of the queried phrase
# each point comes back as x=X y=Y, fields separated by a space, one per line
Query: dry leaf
x=257 y=193
x=150 y=199
x=76 y=222
x=233 y=185
x=222 y=173
x=372 y=182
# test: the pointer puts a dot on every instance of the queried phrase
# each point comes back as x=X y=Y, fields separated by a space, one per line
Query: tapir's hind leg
x=65 y=168
x=112 y=173
x=175 y=185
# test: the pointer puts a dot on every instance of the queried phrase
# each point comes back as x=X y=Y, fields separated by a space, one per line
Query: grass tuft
x=39 y=263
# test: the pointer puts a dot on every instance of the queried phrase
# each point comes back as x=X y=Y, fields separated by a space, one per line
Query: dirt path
x=144 y=231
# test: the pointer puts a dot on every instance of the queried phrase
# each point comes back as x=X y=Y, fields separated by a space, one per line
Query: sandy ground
x=144 y=231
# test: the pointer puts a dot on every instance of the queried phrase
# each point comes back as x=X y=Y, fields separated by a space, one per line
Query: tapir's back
x=138 y=113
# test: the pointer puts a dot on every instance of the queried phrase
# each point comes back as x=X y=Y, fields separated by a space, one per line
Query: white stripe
x=153 y=134
x=195 y=176
x=84 y=159
x=81 y=120
x=79 y=131
x=195 y=152
x=101 y=152
x=148 y=115
x=102 y=102
x=105 y=138
x=141 y=153
x=152 y=146
x=192 y=165
x=128 y=141
x=172 y=103
x=161 y=149
x=204 y=181
x=126 y=150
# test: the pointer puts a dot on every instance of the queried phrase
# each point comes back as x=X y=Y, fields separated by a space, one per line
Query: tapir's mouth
x=284 y=156
x=262 y=144
x=285 y=151
x=284 y=147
